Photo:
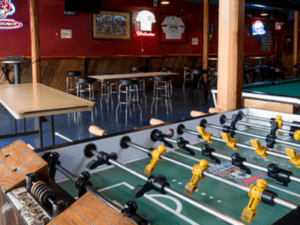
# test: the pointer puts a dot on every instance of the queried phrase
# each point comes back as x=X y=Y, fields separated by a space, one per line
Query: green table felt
x=286 y=88
x=166 y=209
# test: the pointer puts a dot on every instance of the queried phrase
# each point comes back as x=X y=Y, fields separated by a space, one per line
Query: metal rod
x=40 y=132
x=66 y=173
x=255 y=135
x=268 y=120
x=249 y=164
x=31 y=146
x=64 y=137
x=206 y=173
x=74 y=178
x=277 y=154
x=261 y=127
x=195 y=203
x=52 y=129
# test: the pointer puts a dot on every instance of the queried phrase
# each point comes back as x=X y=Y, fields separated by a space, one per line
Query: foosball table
x=235 y=167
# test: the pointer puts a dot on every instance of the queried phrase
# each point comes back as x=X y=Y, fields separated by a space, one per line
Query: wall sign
x=111 y=25
x=258 y=28
x=145 y=34
x=173 y=28
x=7 y=9
x=146 y=19
x=66 y=33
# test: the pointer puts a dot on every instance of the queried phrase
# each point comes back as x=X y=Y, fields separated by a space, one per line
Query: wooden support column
x=296 y=32
x=35 y=41
x=230 y=53
x=205 y=33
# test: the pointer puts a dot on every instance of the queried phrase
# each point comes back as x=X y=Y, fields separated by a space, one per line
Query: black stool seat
x=85 y=80
x=136 y=69
x=196 y=72
x=165 y=78
x=128 y=82
x=73 y=73
x=166 y=69
x=280 y=69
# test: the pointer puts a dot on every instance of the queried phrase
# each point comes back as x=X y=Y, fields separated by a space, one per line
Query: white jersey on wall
x=173 y=27
x=145 y=18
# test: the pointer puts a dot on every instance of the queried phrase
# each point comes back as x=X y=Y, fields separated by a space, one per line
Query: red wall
x=52 y=20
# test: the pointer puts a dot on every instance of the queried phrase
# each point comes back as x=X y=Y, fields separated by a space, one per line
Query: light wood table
x=37 y=100
x=131 y=75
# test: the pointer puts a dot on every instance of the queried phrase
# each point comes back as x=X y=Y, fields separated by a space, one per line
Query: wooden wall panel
x=54 y=70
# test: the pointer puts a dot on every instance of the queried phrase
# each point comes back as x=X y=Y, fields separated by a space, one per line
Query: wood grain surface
x=268 y=105
x=16 y=160
x=32 y=100
x=90 y=210
x=131 y=75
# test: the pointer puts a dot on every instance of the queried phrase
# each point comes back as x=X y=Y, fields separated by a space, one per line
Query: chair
x=278 y=71
x=186 y=73
x=130 y=89
x=248 y=70
x=105 y=89
x=142 y=82
x=168 y=70
x=162 y=91
x=71 y=77
x=198 y=74
x=85 y=85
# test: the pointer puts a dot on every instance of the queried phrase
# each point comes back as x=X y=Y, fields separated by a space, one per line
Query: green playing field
x=166 y=209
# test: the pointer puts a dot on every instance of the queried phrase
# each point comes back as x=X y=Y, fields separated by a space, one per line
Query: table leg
x=24 y=129
x=52 y=129
x=204 y=87
x=16 y=128
x=41 y=132
x=193 y=86
x=17 y=73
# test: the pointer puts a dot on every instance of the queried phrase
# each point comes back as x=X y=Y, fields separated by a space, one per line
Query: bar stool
x=142 y=82
x=297 y=69
x=247 y=73
x=71 y=75
x=131 y=90
x=168 y=70
x=162 y=91
x=186 y=73
x=278 y=71
x=198 y=74
x=85 y=85
x=105 y=87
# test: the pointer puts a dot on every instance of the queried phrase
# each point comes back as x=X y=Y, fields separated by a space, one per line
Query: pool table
x=287 y=91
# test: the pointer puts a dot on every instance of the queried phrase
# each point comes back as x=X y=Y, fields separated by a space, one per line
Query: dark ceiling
x=276 y=9
x=286 y=4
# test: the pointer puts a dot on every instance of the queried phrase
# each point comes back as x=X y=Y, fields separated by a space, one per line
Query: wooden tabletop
x=131 y=75
x=33 y=100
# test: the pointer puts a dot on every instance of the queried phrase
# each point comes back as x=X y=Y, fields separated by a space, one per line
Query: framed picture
x=173 y=28
x=111 y=25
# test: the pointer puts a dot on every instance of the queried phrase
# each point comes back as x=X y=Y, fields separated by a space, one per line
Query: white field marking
x=288 y=192
x=151 y=198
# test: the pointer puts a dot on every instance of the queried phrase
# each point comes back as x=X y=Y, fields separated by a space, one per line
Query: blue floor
x=75 y=125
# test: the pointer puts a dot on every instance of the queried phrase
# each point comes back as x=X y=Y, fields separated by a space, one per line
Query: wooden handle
x=215 y=110
x=97 y=131
x=195 y=113
x=154 y=121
